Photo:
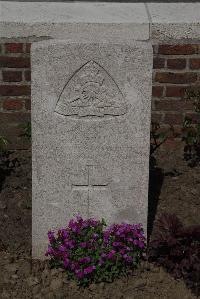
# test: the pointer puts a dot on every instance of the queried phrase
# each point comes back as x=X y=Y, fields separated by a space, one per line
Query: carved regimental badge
x=91 y=91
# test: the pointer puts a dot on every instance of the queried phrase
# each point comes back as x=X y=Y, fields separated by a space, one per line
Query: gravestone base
x=91 y=105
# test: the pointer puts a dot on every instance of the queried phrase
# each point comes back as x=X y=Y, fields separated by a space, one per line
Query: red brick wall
x=15 y=91
x=175 y=68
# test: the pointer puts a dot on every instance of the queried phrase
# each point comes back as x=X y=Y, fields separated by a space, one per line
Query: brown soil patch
x=174 y=188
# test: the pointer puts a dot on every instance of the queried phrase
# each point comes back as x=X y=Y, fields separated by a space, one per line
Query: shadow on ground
x=156 y=177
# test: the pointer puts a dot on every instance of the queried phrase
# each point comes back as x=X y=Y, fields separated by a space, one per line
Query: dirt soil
x=174 y=187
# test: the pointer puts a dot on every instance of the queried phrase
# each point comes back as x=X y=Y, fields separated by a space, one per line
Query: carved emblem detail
x=91 y=91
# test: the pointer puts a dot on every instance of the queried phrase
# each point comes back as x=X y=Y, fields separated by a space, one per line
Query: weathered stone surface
x=174 y=21
x=90 y=122
x=91 y=21
x=161 y=22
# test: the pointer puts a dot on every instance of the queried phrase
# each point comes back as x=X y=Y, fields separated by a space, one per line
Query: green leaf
x=162 y=137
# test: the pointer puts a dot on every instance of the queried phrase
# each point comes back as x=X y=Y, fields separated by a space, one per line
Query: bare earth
x=174 y=188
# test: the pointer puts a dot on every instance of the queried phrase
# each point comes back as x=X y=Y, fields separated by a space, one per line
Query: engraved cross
x=89 y=186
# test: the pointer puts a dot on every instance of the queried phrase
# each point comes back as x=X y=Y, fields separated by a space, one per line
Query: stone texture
x=168 y=21
x=90 y=130
x=93 y=21
x=174 y=21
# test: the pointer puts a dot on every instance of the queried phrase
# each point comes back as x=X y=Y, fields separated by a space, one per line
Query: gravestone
x=91 y=106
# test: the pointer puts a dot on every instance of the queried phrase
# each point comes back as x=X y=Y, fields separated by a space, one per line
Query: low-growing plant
x=89 y=252
x=26 y=130
x=7 y=164
x=157 y=138
x=3 y=144
x=177 y=248
x=190 y=131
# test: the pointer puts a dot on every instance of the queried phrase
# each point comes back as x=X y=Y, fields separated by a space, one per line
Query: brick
x=177 y=64
x=176 y=78
x=177 y=130
x=194 y=116
x=27 y=75
x=173 y=105
x=175 y=91
x=12 y=76
x=173 y=118
x=14 y=62
x=156 y=117
x=158 y=63
x=11 y=128
x=18 y=143
x=9 y=119
x=12 y=104
x=28 y=104
x=28 y=47
x=157 y=91
x=174 y=144
x=14 y=48
x=195 y=63
x=15 y=90
x=178 y=49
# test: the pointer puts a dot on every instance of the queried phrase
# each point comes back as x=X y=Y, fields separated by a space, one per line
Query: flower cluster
x=126 y=242
x=89 y=252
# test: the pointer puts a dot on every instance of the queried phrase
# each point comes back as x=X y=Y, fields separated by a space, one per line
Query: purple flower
x=83 y=244
x=49 y=251
x=62 y=248
x=106 y=237
x=89 y=269
x=129 y=239
x=79 y=274
x=110 y=254
x=119 y=241
x=63 y=233
x=74 y=226
x=127 y=248
x=79 y=218
x=111 y=228
x=116 y=244
x=95 y=236
x=51 y=236
x=74 y=266
x=93 y=222
x=127 y=258
x=66 y=262
x=71 y=223
x=141 y=244
x=101 y=262
x=76 y=229
x=53 y=252
x=85 y=260
x=85 y=224
x=135 y=242
x=70 y=244
x=122 y=251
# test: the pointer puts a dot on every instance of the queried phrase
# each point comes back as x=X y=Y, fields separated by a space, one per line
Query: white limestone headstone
x=91 y=117
x=91 y=104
